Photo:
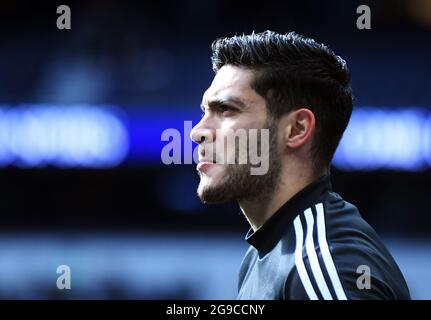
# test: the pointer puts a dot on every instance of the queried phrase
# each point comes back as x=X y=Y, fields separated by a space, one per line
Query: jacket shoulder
x=339 y=256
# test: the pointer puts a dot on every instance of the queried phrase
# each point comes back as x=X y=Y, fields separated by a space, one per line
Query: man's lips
x=204 y=165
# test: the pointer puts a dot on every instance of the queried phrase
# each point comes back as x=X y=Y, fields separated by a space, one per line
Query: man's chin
x=211 y=192
x=211 y=197
x=211 y=179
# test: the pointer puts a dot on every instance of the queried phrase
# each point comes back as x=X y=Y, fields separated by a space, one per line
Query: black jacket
x=317 y=246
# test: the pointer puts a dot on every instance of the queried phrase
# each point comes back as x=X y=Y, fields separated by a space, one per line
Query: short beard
x=239 y=184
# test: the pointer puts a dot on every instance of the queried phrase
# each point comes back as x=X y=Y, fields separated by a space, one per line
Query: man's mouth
x=204 y=165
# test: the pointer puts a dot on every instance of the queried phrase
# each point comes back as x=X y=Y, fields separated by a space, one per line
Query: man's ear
x=299 y=127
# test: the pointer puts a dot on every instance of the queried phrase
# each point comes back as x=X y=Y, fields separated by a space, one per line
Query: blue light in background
x=147 y=125
x=100 y=137
x=397 y=139
x=72 y=136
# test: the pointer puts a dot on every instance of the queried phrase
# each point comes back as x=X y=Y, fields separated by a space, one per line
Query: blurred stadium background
x=81 y=116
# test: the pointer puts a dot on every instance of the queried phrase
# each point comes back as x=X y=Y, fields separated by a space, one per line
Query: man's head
x=293 y=86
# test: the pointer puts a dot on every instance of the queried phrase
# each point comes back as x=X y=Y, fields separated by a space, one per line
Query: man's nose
x=202 y=132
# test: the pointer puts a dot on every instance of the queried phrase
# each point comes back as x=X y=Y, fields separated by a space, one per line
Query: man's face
x=229 y=105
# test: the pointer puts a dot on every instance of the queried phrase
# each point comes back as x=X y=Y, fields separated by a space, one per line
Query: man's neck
x=257 y=211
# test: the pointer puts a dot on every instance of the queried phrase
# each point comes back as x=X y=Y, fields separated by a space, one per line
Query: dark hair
x=292 y=71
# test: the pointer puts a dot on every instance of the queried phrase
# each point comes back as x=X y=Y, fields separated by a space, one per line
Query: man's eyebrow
x=216 y=102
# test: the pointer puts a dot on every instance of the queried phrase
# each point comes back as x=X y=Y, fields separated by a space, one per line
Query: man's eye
x=225 y=109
